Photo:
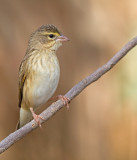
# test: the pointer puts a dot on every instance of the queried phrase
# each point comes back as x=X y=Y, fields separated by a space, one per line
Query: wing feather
x=23 y=73
x=22 y=78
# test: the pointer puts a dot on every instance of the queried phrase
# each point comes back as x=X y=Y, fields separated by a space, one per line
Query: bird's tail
x=25 y=117
x=18 y=125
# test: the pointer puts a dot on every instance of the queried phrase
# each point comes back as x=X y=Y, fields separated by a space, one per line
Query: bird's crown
x=49 y=29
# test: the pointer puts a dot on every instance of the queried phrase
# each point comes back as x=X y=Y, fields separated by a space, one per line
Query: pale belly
x=44 y=86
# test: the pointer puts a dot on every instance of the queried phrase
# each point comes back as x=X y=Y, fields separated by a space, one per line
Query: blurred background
x=101 y=123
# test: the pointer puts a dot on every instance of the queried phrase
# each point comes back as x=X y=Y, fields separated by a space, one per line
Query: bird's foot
x=64 y=99
x=36 y=117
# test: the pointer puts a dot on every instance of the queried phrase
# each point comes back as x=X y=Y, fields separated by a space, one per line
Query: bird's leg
x=64 y=99
x=36 y=117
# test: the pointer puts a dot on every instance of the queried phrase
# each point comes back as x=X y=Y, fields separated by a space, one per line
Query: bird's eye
x=51 y=35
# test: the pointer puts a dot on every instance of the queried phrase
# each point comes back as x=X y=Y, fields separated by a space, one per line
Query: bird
x=39 y=72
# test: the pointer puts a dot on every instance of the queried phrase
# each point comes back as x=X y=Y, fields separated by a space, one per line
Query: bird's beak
x=62 y=38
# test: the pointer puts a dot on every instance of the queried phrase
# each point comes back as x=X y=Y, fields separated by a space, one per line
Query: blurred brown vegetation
x=102 y=121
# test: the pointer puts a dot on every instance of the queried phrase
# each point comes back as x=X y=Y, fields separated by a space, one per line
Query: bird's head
x=47 y=36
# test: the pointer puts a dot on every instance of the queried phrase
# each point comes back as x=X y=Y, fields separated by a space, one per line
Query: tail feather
x=18 y=125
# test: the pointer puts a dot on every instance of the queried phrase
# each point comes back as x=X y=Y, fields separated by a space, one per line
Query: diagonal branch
x=71 y=94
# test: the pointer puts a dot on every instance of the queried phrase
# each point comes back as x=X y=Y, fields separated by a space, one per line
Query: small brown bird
x=39 y=72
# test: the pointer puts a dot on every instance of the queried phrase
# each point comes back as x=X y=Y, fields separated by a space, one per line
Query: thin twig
x=71 y=94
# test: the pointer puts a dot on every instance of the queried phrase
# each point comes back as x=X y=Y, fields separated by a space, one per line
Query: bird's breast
x=45 y=78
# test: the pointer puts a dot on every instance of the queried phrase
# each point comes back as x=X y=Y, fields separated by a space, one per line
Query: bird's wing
x=22 y=78
x=23 y=73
